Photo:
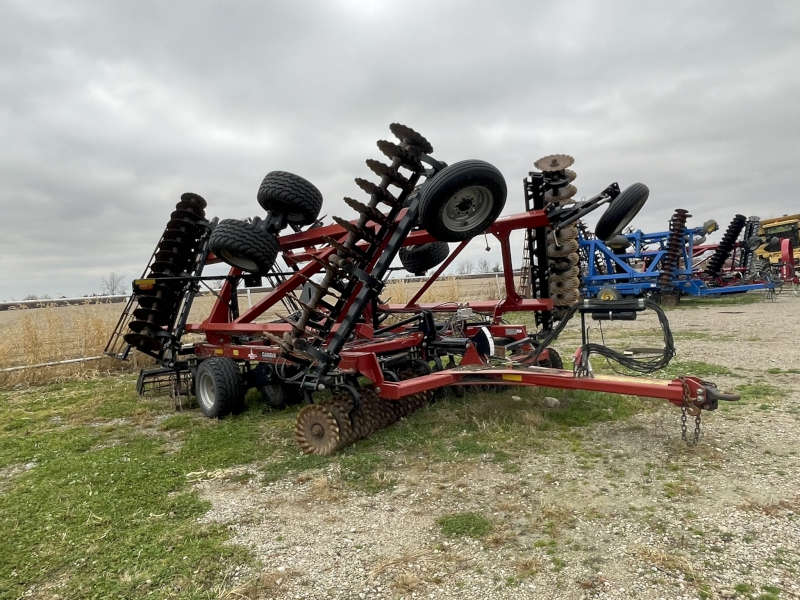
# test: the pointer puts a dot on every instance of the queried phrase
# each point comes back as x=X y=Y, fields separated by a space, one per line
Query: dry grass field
x=43 y=335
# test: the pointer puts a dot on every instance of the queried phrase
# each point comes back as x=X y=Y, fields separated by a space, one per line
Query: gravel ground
x=629 y=511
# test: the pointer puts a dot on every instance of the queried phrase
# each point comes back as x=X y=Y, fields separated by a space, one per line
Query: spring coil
x=747 y=259
x=675 y=246
x=725 y=248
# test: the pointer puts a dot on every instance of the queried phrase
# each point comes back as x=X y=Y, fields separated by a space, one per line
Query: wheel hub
x=240 y=261
x=467 y=207
x=206 y=392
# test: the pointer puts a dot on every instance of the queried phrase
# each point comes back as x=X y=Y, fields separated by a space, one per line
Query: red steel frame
x=361 y=355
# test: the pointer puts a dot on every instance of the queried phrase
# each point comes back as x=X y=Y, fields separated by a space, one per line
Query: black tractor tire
x=462 y=200
x=290 y=194
x=622 y=211
x=218 y=387
x=245 y=245
x=418 y=259
x=279 y=395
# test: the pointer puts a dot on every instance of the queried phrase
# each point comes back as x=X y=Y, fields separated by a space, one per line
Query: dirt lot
x=613 y=510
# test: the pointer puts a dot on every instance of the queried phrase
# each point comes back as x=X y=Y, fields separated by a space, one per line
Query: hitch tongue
x=708 y=397
x=713 y=394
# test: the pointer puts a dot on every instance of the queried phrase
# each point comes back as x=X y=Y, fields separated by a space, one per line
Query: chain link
x=696 y=430
x=686 y=399
x=683 y=423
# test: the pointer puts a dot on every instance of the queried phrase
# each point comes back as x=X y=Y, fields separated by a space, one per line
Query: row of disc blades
x=563 y=246
x=348 y=253
x=331 y=424
x=174 y=255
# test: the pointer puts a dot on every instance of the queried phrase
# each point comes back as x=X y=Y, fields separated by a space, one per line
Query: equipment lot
x=598 y=497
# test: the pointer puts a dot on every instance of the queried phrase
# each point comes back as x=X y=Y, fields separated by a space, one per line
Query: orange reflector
x=512 y=377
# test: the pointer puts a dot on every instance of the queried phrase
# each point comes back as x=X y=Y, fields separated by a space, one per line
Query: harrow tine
x=393 y=175
x=287 y=349
x=300 y=331
x=368 y=211
x=321 y=303
x=357 y=231
x=278 y=341
x=353 y=251
x=377 y=192
x=328 y=266
x=317 y=286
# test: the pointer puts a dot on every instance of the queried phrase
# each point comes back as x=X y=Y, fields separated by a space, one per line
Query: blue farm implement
x=667 y=264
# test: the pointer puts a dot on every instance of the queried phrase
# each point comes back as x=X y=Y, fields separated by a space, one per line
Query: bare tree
x=497 y=268
x=465 y=267
x=113 y=285
x=484 y=266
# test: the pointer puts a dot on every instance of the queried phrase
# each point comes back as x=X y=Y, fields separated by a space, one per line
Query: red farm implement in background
x=359 y=363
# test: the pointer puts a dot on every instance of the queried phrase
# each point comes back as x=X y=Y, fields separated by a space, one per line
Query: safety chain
x=696 y=437
x=686 y=399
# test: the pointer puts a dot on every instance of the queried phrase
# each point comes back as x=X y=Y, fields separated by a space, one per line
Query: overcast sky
x=110 y=110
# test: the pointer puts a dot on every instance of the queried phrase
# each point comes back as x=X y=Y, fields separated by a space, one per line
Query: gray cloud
x=109 y=111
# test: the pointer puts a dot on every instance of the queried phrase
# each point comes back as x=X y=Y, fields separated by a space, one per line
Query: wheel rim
x=239 y=261
x=467 y=208
x=206 y=391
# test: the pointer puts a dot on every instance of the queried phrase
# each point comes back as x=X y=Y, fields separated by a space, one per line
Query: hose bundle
x=637 y=365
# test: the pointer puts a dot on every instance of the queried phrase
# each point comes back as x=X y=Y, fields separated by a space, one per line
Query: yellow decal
x=625 y=379
x=218 y=351
x=144 y=284
x=512 y=377
x=236 y=353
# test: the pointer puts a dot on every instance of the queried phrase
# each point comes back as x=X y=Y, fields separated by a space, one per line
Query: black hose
x=637 y=365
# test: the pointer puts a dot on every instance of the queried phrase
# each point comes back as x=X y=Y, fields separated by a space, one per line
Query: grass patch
x=103 y=507
x=717 y=300
x=778 y=371
x=178 y=422
x=496 y=425
x=673 y=370
x=760 y=391
x=701 y=335
x=465 y=524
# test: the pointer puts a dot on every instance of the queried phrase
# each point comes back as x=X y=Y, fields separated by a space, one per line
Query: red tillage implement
x=337 y=332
